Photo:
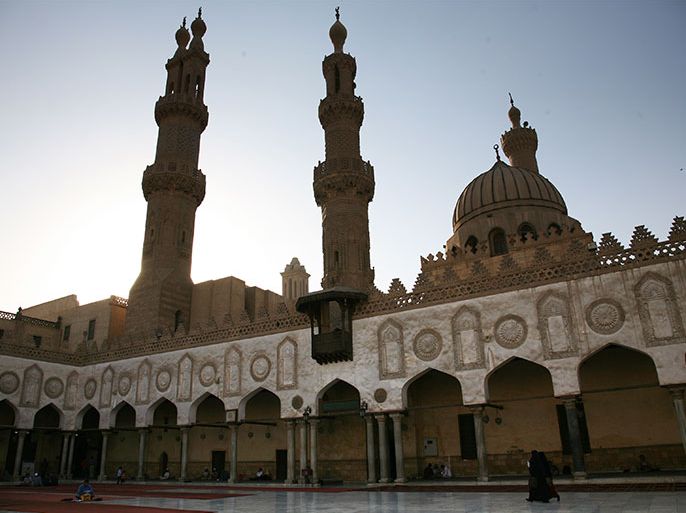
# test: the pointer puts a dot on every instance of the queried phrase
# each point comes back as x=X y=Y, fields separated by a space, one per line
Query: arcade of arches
x=621 y=413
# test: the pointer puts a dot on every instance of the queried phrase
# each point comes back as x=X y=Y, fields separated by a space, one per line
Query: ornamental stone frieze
x=192 y=183
x=106 y=384
x=427 y=345
x=72 y=391
x=233 y=363
x=163 y=379
x=184 y=383
x=53 y=387
x=658 y=311
x=192 y=110
x=605 y=316
x=124 y=384
x=9 y=382
x=89 y=389
x=556 y=326
x=341 y=109
x=287 y=364
x=207 y=374
x=260 y=367
x=31 y=387
x=143 y=382
x=510 y=331
x=391 y=350
x=468 y=342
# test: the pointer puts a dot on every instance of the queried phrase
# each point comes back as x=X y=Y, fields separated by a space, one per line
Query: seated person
x=85 y=491
x=446 y=473
x=428 y=472
x=259 y=474
x=166 y=475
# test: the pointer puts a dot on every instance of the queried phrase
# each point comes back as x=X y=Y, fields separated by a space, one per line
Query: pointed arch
x=336 y=397
x=123 y=415
x=206 y=401
x=78 y=419
x=87 y=418
x=441 y=377
x=607 y=357
x=49 y=416
x=532 y=374
x=163 y=403
x=243 y=410
x=8 y=413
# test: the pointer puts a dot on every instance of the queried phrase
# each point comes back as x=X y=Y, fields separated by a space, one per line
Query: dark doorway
x=392 y=475
x=219 y=462
x=164 y=462
x=281 y=464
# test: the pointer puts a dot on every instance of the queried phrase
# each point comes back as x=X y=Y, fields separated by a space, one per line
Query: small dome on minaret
x=198 y=28
x=338 y=33
x=514 y=114
x=182 y=36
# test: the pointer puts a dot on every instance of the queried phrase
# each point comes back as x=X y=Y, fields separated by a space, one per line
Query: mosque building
x=523 y=333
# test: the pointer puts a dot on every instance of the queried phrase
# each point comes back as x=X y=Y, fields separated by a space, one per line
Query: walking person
x=120 y=474
x=548 y=471
x=538 y=489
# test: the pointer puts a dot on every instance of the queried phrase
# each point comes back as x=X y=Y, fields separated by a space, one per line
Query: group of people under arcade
x=541 y=487
x=436 y=472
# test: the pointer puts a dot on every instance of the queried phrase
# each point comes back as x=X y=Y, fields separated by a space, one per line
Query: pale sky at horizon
x=602 y=82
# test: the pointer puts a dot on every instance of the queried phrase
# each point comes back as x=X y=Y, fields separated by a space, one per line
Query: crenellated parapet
x=189 y=106
x=343 y=177
x=192 y=184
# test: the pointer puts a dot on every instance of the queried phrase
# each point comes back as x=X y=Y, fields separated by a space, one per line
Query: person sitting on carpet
x=85 y=491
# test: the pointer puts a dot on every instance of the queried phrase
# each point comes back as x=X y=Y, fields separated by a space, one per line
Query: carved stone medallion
x=163 y=380
x=207 y=374
x=53 y=387
x=380 y=395
x=297 y=402
x=427 y=345
x=605 y=316
x=89 y=388
x=124 y=384
x=9 y=382
x=260 y=366
x=510 y=331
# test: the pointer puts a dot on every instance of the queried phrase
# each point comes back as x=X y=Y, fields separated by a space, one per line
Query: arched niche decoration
x=391 y=350
x=658 y=311
x=556 y=326
x=468 y=343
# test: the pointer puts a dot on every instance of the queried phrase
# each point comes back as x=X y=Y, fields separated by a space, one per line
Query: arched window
x=471 y=244
x=337 y=78
x=178 y=319
x=554 y=229
x=497 y=241
x=526 y=232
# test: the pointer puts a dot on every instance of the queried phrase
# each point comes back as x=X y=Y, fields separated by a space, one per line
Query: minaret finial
x=199 y=12
x=184 y=22
x=338 y=13
x=497 y=154
x=511 y=100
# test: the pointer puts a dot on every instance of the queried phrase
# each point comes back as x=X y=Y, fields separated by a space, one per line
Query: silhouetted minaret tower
x=343 y=183
x=174 y=187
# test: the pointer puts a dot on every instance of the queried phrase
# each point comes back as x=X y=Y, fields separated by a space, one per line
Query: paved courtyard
x=188 y=498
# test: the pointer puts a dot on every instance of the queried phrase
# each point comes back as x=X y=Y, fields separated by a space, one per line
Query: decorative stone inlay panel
x=207 y=375
x=106 y=388
x=9 y=382
x=184 y=384
x=510 y=331
x=658 y=311
x=89 y=389
x=287 y=364
x=605 y=316
x=53 y=387
x=380 y=395
x=468 y=341
x=427 y=345
x=297 y=402
x=124 y=384
x=260 y=367
x=163 y=380
x=31 y=386
x=556 y=326
x=143 y=383
x=72 y=391
x=391 y=350
x=233 y=363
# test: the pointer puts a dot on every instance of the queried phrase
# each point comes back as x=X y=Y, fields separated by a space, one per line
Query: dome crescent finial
x=497 y=154
x=338 y=13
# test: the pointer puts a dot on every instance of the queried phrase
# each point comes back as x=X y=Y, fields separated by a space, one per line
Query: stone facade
x=528 y=338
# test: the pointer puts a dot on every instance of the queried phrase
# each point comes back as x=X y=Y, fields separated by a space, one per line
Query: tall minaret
x=174 y=187
x=343 y=183
x=520 y=142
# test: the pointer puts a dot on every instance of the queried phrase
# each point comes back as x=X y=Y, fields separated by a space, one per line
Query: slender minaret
x=294 y=280
x=520 y=142
x=174 y=187
x=343 y=183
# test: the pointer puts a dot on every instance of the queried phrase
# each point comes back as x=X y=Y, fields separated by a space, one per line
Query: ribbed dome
x=505 y=186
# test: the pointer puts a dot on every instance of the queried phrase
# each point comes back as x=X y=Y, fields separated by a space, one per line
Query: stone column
x=70 y=460
x=303 y=450
x=313 y=451
x=383 y=448
x=371 y=449
x=184 y=452
x=142 y=434
x=65 y=455
x=21 y=435
x=678 y=399
x=233 y=470
x=103 y=456
x=481 y=455
x=290 y=441
x=398 y=442
x=579 y=469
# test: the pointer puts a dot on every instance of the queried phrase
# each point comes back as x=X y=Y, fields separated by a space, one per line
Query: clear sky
x=603 y=83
